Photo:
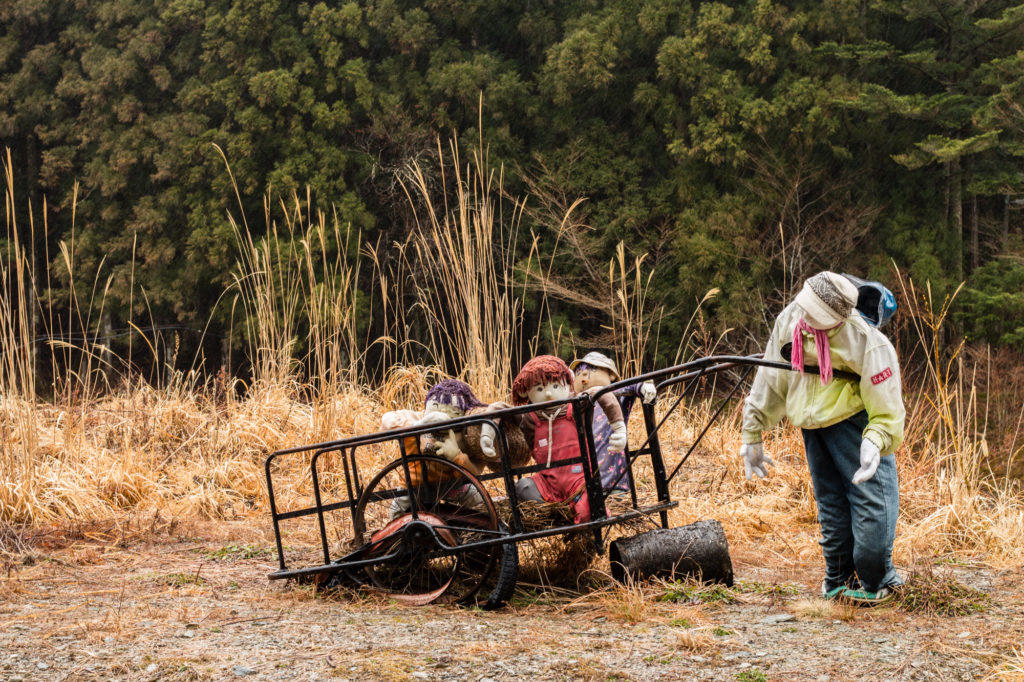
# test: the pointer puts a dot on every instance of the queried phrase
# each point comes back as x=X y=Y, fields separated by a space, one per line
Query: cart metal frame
x=688 y=375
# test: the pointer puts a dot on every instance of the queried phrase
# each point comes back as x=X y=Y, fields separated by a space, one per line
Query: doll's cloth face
x=588 y=377
x=552 y=390
x=451 y=411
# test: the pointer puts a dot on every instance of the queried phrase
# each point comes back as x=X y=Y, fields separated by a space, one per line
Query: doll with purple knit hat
x=446 y=400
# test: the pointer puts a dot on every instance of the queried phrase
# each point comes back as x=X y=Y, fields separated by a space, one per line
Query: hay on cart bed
x=561 y=560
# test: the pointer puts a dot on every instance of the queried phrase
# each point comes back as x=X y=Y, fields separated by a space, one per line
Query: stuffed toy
x=552 y=434
x=592 y=373
x=446 y=400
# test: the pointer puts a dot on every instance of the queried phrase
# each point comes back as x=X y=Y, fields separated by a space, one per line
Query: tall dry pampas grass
x=19 y=425
x=463 y=253
x=955 y=503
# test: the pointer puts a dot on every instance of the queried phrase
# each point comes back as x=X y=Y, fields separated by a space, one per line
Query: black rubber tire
x=507 y=575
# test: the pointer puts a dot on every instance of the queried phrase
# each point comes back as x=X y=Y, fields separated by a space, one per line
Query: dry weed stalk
x=823 y=609
x=297 y=284
x=17 y=371
x=25 y=470
x=697 y=640
x=631 y=326
x=929 y=592
x=464 y=253
x=629 y=602
x=1010 y=669
x=957 y=504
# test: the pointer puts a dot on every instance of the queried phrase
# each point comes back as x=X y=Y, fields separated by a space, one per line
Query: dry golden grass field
x=148 y=541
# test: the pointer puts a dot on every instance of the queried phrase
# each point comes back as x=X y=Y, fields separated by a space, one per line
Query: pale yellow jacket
x=856 y=347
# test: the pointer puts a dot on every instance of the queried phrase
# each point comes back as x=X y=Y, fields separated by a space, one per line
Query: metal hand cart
x=423 y=528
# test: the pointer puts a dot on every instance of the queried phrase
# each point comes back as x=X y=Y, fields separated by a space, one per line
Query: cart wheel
x=502 y=584
x=423 y=526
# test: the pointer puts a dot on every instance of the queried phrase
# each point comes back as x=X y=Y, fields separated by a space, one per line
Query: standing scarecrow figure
x=850 y=430
x=553 y=435
x=592 y=373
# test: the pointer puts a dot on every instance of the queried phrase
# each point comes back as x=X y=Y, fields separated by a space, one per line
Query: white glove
x=869 y=458
x=487 y=441
x=617 y=441
x=448 y=447
x=648 y=392
x=754 y=460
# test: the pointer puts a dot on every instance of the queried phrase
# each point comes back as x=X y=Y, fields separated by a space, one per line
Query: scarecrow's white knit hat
x=595 y=359
x=827 y=299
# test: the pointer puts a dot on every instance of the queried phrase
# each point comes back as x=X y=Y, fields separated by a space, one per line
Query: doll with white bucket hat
x=595 y=371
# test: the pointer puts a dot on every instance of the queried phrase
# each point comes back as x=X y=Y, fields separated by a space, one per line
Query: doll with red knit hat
x=553 y=434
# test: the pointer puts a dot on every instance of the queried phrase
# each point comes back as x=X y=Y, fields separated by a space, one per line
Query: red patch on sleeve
x=881 y=376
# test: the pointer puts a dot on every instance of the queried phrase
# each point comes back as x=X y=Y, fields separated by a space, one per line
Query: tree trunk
x=225 y=354
x=948 y=197
x=37 y=260
x=699 y=550
x=957 y=238
x=974 y=232
x=1006 y=222
x=105 y=339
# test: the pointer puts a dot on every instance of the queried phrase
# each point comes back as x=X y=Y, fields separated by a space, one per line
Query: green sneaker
x=864 y=598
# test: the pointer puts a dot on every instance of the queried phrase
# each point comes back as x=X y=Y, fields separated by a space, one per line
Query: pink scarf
x=820 y=345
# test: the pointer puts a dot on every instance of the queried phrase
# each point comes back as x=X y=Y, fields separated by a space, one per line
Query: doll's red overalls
x=559 y=439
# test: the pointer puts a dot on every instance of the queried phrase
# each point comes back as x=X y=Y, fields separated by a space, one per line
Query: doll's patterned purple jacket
x=612 y=464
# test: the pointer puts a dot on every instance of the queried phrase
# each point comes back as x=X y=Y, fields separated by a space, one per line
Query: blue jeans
x=858 y=522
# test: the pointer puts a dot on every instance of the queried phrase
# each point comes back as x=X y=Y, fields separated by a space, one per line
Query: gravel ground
x=171 y=605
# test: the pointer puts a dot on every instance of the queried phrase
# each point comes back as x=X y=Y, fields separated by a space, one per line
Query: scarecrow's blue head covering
x=875 y=303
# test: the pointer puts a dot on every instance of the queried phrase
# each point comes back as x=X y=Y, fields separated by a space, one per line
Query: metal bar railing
x=714 y=417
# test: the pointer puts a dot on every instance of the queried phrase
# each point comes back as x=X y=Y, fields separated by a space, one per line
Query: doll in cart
x=592 y=373
x=552 y=434
x=446 y=400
